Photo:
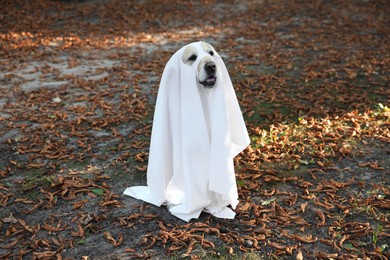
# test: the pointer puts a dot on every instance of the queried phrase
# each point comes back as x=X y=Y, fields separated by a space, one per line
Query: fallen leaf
x=266 y=202
x=303 y=206
x=10 y=219
x=299 y=255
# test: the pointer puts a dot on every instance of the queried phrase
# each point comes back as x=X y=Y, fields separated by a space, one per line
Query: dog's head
x=202 y=59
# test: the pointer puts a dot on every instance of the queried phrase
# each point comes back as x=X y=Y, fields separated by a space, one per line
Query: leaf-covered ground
x=78 y=82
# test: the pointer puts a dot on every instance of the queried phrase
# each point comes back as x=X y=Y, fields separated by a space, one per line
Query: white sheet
x=196 y=133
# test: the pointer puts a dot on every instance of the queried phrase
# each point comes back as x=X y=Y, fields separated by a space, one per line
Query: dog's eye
x=193 y=57
x=211 y=53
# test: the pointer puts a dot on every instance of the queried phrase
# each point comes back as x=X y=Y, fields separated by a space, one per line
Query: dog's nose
x=210 y=67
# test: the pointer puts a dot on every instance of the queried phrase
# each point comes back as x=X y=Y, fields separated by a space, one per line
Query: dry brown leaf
x=306 y=238
x=10 y=219
x=321 y=215
x=342 y=240
x=45 y=254
x=11 y=244
x=51 y=228
x=109 y=237
x=276 y=245
x=79 y=233
x=79 y=204
x=303 y=206
x=299 y=255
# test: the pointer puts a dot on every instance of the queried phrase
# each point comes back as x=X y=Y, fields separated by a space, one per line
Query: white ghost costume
x=197 y=131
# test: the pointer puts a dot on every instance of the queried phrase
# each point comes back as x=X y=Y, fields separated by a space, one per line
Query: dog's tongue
x=211 y=80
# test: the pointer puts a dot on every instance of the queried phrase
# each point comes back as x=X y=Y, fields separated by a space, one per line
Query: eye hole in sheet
x=190 y=55
x=207 y=48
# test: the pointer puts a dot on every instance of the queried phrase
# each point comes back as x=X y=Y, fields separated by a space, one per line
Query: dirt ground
x=78 y=83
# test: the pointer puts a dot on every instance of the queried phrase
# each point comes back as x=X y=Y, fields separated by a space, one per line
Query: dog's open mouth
x=209 y=82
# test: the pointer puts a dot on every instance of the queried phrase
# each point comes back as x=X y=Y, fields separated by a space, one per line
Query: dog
x=198 y=129
x=206 y=67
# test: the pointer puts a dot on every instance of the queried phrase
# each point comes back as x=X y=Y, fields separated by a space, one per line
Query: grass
x=34 y=178
x=375 y=234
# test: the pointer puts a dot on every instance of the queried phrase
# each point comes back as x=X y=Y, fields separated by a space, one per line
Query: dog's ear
x=190 y=54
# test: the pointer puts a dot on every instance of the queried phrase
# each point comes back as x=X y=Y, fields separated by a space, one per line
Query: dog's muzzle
x=211 y=79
